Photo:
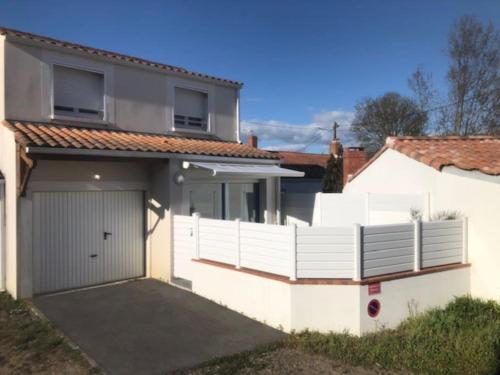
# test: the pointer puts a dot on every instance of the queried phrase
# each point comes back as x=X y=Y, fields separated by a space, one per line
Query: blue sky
x=304 y=63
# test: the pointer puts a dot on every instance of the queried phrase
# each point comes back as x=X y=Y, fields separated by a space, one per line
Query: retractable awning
x=245 y=169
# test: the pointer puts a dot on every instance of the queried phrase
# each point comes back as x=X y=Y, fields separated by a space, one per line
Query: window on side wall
x=78 y=93
x=191 y=110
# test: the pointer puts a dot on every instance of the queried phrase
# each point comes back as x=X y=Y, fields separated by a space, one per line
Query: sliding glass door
x=206 y=200
x=228 y=201
x=241 y=201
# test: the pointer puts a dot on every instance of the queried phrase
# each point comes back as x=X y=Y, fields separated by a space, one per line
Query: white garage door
x=86 y=238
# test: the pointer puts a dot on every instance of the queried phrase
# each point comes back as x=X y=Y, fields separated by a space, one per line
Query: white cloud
x=314 y=136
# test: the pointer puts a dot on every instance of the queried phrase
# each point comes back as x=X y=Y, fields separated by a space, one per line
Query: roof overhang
x=145 y=155
x=244 y=169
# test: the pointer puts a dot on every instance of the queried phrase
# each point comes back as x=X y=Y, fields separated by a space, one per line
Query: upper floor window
x=78 y=93
x=191 y=109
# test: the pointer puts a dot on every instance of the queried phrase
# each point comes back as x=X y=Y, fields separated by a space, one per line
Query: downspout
x=26 y=165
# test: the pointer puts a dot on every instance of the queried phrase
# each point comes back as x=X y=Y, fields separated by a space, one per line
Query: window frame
x=209 y=114
x=54 y=116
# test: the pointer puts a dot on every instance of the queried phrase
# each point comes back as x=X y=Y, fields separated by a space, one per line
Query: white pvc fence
x=388 y=249
x=442 y=242
x=319 y=252
x=325 y=252
x=183 y=246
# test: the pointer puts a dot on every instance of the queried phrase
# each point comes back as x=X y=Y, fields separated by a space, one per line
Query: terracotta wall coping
x=366 y=281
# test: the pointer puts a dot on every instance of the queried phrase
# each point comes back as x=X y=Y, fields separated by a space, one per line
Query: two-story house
x=99 y=150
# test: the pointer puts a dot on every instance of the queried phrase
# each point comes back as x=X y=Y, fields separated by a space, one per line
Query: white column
x=238 y=244
x=278 y=201
x=270 y=201
x=417 y=246
x=357 y=253
x=465 y=240
x=196 y=234
x=293 y=255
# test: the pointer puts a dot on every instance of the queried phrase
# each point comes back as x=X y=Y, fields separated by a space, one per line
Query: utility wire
x=433 y=109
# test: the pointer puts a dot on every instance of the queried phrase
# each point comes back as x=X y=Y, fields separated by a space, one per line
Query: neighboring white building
x=460 y=174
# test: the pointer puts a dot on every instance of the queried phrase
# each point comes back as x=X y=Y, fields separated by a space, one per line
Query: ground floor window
x=227 y=201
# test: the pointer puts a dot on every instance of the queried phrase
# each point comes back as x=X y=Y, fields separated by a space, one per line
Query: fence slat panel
x=218 y=241
x=265 y=248
x=387 y=249
x=325 y=252
x=442 y=243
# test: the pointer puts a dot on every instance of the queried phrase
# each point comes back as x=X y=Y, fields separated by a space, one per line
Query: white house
x=98 y=151
x=458 y=173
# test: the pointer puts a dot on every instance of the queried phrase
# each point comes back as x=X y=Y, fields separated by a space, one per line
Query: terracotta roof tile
x=75 y=137
x=472 y=153
x=479 y=153
x=302 y=158
x=110 y=54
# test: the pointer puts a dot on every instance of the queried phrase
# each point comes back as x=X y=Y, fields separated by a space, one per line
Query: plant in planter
x=446 y=215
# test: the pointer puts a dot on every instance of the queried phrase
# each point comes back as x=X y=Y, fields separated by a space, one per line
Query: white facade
x=327 y=307
x=474 y=194
x=135 y=97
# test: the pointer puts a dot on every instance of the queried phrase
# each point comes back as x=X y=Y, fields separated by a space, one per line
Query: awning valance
x=245 y=169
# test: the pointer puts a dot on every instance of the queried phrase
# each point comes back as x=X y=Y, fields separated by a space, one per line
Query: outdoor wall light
x=96 y=176
x=178 y=178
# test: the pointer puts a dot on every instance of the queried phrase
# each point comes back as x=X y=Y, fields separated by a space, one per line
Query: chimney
x=335 y=145
x=252 y=141
x=354 y=159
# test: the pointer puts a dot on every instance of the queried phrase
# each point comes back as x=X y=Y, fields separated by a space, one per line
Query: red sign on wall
x=374 y=288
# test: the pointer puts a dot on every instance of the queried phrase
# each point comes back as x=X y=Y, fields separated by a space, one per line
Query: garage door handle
x=93 y=255
x=106 y=234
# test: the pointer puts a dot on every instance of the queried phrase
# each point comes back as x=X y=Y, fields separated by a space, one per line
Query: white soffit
x=245 y=169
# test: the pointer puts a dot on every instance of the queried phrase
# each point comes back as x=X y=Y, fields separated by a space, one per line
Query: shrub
x=463 y=338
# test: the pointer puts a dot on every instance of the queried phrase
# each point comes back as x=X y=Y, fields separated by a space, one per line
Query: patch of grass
x=463 y=338
x=31 y=344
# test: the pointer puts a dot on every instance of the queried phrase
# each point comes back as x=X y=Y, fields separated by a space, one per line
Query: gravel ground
x=288 y=361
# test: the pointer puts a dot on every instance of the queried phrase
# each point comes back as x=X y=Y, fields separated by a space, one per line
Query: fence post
x=367 y=208
x=357 y=253
x=196 y=234
x=238 y=244
x=293 y=245
x=465 y=240
x=417 y=246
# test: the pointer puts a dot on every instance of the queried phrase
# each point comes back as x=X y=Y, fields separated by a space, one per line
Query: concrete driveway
x=148 y=327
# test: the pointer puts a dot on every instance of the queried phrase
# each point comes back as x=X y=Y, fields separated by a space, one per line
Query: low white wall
x=326 y=307
x=260 y=298
x=399 y=298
